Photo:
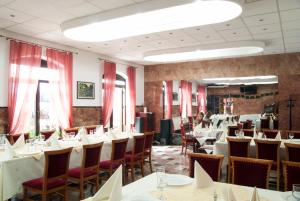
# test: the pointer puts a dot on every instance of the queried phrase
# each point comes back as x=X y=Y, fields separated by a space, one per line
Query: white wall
x=86 y=67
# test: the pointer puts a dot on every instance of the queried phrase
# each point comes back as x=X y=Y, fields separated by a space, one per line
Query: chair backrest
x=291 y=174
x=248 y=132
x=267 y=149
x=56 y=165
x=70 y=130
x=231 y=130
x=264 y=123
x=270 y=133
x=91 y=128
x=15 y=137
x=210 y=163
x=47 y=133
x=238 y=146
x=296 y=134
x=138 y=145
x=292 y=152
x=148 y=140
x=91 y=155
x=118 y=149
x=244 y=169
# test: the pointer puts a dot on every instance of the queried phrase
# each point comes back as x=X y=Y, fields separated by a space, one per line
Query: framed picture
x=85 y=90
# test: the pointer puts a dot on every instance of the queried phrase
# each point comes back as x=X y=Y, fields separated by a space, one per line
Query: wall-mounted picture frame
x=85 y=90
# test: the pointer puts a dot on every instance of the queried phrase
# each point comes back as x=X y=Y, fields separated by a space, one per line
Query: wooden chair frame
x=47 y=133
x=130 y=165
x=233 y=139
x=233 y=159
x=44 y=192
x=184 y=141
x=148 y=151
x=277 y=163
x=285 y=164
x=210 y=156
x=290 y=145
x=92 y=127
x=290 y=131
x=273 y=130
x=12 y=140
x=249 y=131
x=69 y=130
x=84 y=180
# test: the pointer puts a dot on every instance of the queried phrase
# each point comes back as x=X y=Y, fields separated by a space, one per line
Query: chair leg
x=278 y=179
x=132 y=172
x=97 y=183
x=182 y=148
x=81 y=186
x=185 y=148
x=150 y=162
x=142 y=168
x=24 y=193
x=44 y=197
x=65 y=194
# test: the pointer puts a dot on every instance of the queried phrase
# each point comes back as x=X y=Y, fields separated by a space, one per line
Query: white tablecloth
x=149 y=184
x=205 y=133
x=18 y=170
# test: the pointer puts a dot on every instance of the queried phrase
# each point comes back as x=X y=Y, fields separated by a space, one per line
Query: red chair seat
x=128 y=158
x=75 y=172
x=107 y=164
x=38 y=183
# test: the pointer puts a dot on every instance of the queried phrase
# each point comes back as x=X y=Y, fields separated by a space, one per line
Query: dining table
x=29 y=162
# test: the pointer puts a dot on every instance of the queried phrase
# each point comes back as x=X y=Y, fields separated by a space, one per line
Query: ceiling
x=276 y=22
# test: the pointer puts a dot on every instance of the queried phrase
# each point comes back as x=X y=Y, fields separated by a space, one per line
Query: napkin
x=99 y=130
x=255 y=196
x=112 y=189
x=9 y=153
x=278 y=136
x=20 y=142
x=85 y=139
x=255 y=135
x=223 y=136
x=54 y=143
x=259 y=136
x=37 y=157
x=202 y=179
x=228 y=195
x=54 y=135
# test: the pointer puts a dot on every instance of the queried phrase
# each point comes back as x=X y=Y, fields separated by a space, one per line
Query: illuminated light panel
x=150 y=17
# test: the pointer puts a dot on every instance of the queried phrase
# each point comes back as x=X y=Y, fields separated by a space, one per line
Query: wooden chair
x=117 y=156
x=55 y=176
x=292 y=152
x=91 y=128
x=15 y=137
x=148 y=148
x=250 y=171
x=186 y=140
x=136 y=156
x=72 y=130
x=248 y=132
x=296 y=134
x=291 y=174
x=89 y=170
x=269 y=133
x=237 y=147
x=264 y=123
x=47 y=133
x=231 y=130
x=210 y=163
x=269 y=150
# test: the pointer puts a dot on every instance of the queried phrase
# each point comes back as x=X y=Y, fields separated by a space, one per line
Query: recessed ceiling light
x=261 y=20
x=265 y=29
x=170 y=33
x=227 y=25
x=234 y=33
x=12 y=15
x=206 y=52
x=149 y=17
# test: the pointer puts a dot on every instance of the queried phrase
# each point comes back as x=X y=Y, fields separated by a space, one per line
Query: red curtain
x=131 y=73
x=108 y=90
x=61 y=64
x=22 y=84
x=169 y=96
x=189 y=99
x=186 y=99
x=201 y=99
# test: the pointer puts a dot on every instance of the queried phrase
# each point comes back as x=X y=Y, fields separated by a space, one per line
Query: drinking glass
x=296 y=191
x=30 y=145
x=291 y=135
x=236 y=132
x=241 y=134
x=161 y=181
x=2 y=140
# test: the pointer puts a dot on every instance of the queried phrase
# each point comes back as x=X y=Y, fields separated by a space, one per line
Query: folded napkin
x=9 y=153
x=255 y=135
x=223 y=136
x=112 y=189
x=85 y=139
x=202 y=179
x=278 y=136
x=55 y=144
x=99 y=130
x=37 y=157
x=228 y=194
x=260 y=135
x=255 y=196
x=20 y=142
x=54 y=135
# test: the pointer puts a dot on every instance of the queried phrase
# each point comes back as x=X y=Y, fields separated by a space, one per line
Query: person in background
x=199 y=118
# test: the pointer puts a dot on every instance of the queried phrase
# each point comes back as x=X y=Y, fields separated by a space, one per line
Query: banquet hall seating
x=15 y=137
x=55 y=175
x=72 y=130
x=247 y=124
x=237 y=147
x=264 y=123
x=148 y=148
x=248 y=132
x=244 y=169
x=291 y=174
x=231 y=130
x=296 y=134
x=292 y=152
x=89 y=170
x=269 y=133
x=210 y=163
x=90 y=129
x=186 y=140
x=136 y=156
x=47 y=133
x=269 y=150
x=117 y=156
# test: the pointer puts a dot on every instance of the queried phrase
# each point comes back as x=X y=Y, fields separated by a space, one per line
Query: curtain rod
x=101 y=59
x=10 y=38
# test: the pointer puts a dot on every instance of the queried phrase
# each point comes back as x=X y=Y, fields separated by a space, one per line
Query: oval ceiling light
x=150 y=17
x=206 y=52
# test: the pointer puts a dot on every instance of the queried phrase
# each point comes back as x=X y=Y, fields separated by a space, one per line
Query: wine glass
x=291 y=135
x=296 y=191
x=161 y=181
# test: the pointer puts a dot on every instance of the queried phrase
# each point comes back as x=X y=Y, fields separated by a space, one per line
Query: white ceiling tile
x=266 y=36
x=258 y=20
x=24 y=29
x=42 y=24
x=267 y=28
x=83 y=10
x=291 y=33
x=232 y=24
x=200 y=30
x=259 y=7
x=235 y=34
x=111 y=4
x=207 y=36
x=274 y=42
x=6 y=23
x=162 y=44
x=4 y=2
x=147 y=37
x=171 y=34
x=290 y=25
x=13 y=15
x=288 y=4
x=184 y=41
x=292 y=40
x=290 y=15
x=239 y=38
x=292 y=45
x=66 y=3
x=214 y=41
x=274 y=50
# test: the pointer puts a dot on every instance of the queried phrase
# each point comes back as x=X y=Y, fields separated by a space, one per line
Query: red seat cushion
x=107 y=164
x=75 y=172
x=38 y=183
